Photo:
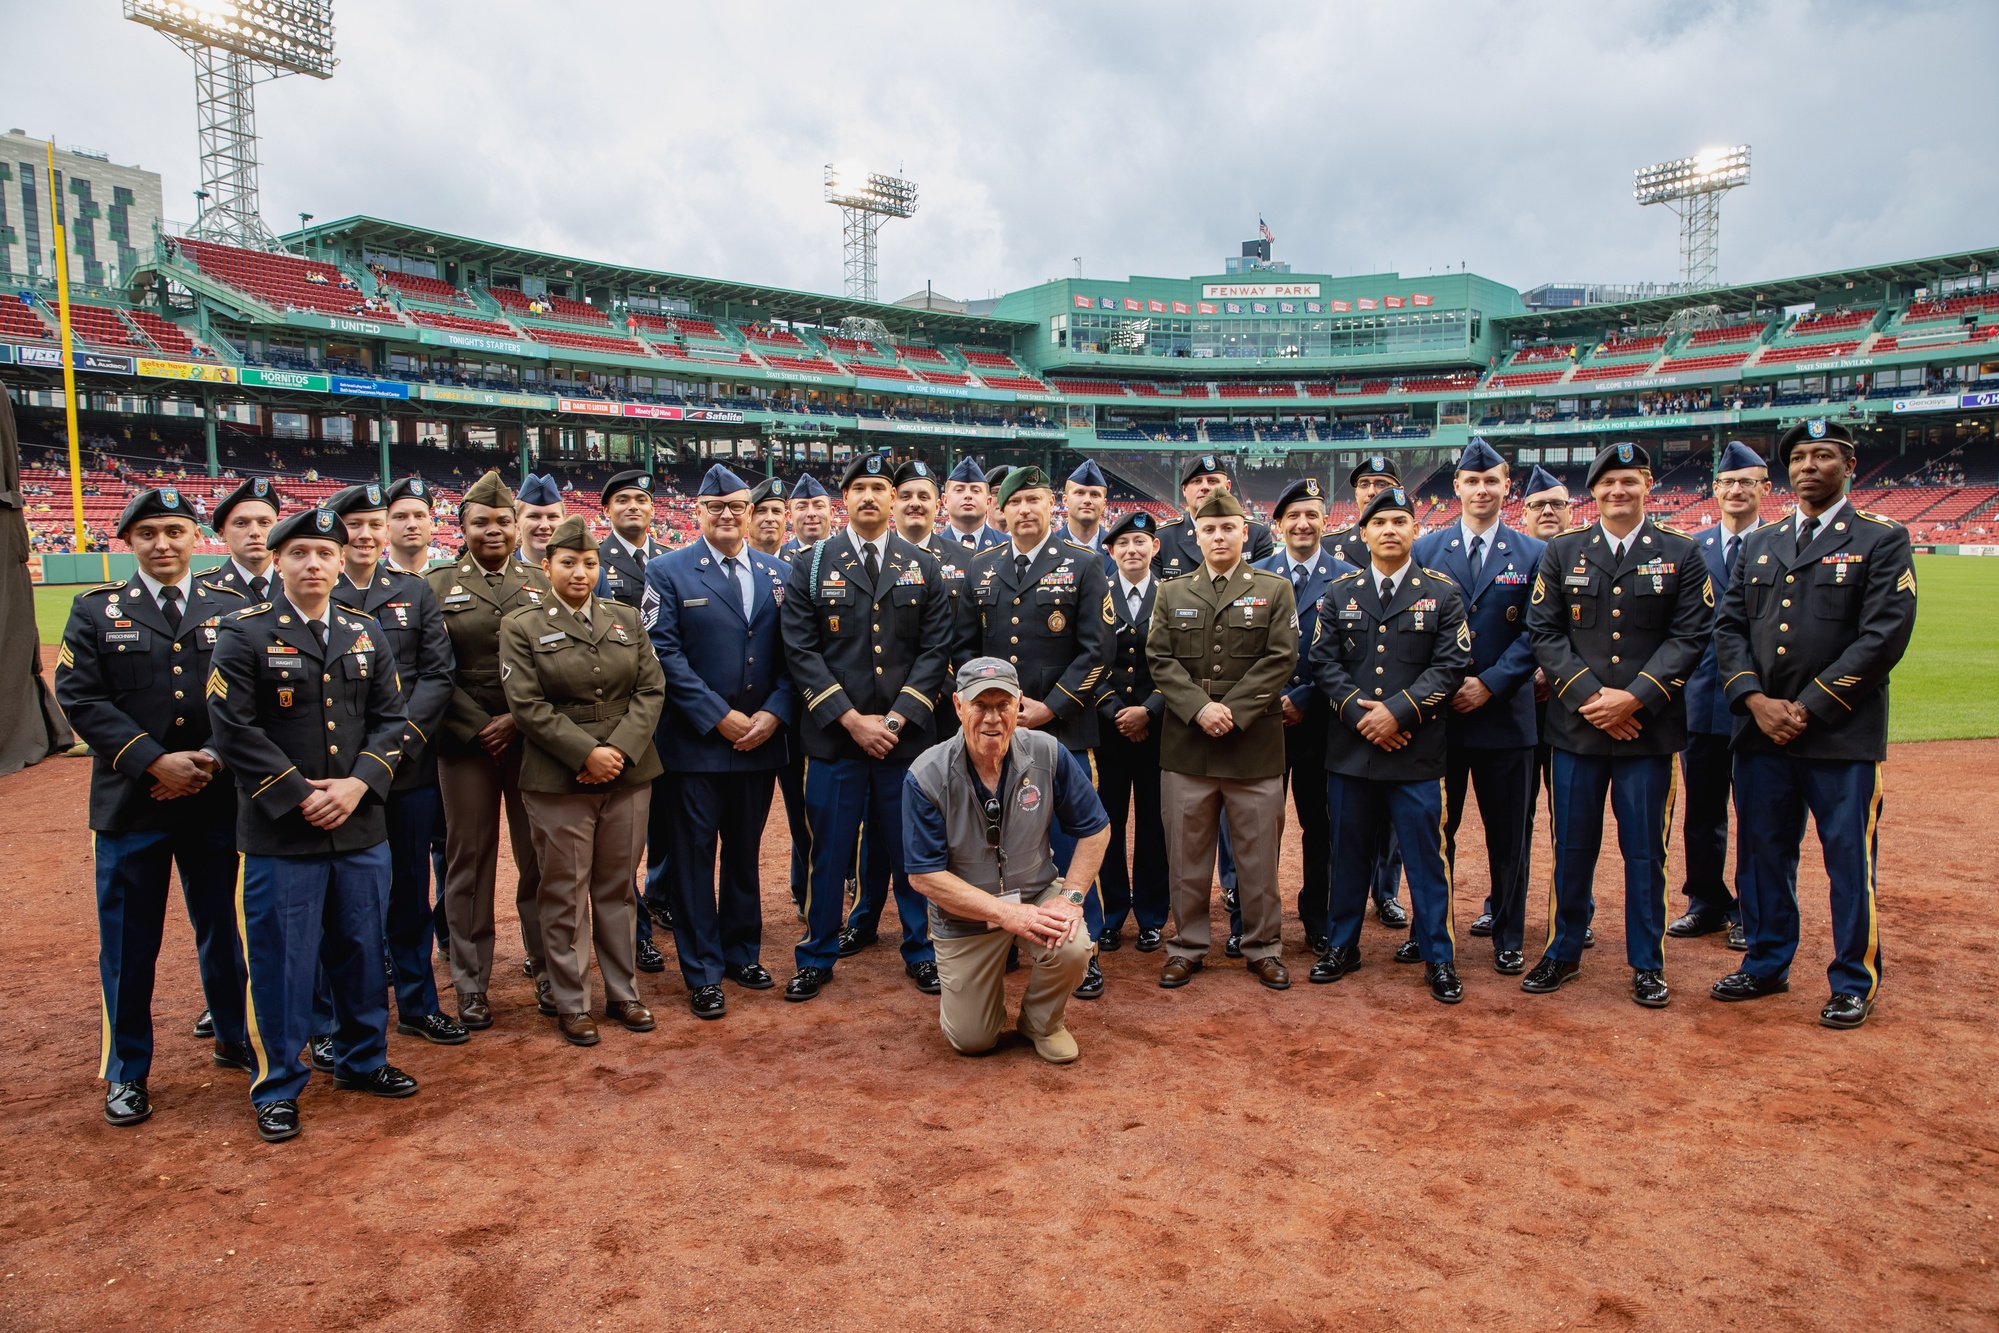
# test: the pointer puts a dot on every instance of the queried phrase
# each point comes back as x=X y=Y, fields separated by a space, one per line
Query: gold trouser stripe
x=1554 y=843
x=1450 y=865
x=1666 y=842
x=249 y=991
x=805 y=813
x=1097 y=884
x=103 y=1000
x=126 y=746
x=1871 y=960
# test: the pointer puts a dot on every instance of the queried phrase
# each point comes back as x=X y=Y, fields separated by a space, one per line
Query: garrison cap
x=915 y=469
x=1221 y=504
x=1623 y=454
x=1539 y=480
x=867 y=465
x=157 y=502
x=1029 y=478
x=1479 y=456
x=1736 y=457
x=721 y=480
x=1089 y=474
x=540 y=490
x=361 y=499
x=1375 y=465
x=256 y=488
x=1202 y=465
x=308 y=524
x=1299 y=491
x=987 y=673
x=996 y=475
x=1815 y=430
x=633 y=479
x=1388 y=497
x=410 y=488
x=1136 y=521
x=572 y=534
x=772 y=489
x=968 y=469
x=490 y=491
x=807 y=487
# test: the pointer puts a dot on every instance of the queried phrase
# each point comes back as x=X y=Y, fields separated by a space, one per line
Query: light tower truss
x=1692 y=188
x=866 y=200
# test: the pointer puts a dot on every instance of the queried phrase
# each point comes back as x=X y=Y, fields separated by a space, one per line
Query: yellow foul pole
x=69 y=365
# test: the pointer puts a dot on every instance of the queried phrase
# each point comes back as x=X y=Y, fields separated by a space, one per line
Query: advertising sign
x=104 y=363
x=303 y=381
x=41 y=356
x=533 y=402
x=595 y=407
x=719 y=415
x=370 y=388
x=185 y=370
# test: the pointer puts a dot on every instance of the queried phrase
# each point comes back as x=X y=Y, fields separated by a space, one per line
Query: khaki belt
x=598 y=712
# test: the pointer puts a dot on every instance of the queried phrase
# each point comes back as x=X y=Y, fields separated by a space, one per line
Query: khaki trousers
x=1191 y=807
x=473 y=790
x=972 y=972
x=589 y=845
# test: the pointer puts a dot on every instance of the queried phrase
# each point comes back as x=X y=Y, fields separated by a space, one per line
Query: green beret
x=572 y=534
x=1221 y=504
x=1029 y=478
x=490 y=491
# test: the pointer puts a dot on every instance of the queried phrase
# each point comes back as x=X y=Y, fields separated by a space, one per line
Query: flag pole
x=69 y=367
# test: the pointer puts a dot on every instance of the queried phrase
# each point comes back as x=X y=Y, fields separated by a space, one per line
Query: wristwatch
x=894 y=725
x=1073 y=895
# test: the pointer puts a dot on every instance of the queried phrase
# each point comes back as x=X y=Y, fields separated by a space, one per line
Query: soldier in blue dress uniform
x=1128 y=715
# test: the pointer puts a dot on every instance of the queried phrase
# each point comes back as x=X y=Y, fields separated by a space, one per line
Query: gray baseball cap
x=987 y=673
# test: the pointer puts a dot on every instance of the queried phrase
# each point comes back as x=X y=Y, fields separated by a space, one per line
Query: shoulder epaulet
x=357 y=611
x=225 y=588
x=1438 y=574
x=1677 y=532
x=1086 y=550
x=249 y=611
x=1873 y=517
x=120 y=584
x=1175 y=578
x=1350 y=574
x=1173 y=522
x=1580 y=527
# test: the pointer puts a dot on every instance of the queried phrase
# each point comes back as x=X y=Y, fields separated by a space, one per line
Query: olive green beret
x=1023 y=479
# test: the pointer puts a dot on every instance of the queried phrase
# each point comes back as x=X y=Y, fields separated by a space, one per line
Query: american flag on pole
x=1264 y=227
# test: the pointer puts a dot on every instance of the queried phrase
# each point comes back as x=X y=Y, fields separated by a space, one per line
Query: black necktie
x=260 y=588
x=871 y=564
x=1136 y=598
x=318 y=631
x=736 y=582
x=1807 y=528
x=1733 y=549
x=1387 y=592
x=1298 y=573
x=970 y=539
x=170 y=607
x=1020 y=564
x=1477 y=557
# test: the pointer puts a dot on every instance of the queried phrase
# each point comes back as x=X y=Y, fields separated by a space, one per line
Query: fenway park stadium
x=366 y=347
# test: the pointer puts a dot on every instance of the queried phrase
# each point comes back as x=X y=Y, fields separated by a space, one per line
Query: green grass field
x=1946 y=689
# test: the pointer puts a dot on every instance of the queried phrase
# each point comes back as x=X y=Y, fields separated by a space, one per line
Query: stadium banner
x=303 y=381
x=479 y=342
x=934 y=428
x=1669 y=421
x=360 y=328
x=1596 y=388
x=1480 y=395
x=722 y=416
x=41 y=356
x=1823 y=363
x=652 y=411
x=439 y=393
x=593 y=407
x=1936 y=402
x=104 y=363
x=1020 y=397
x=6 y=354
x=1251 y=291
x=368 y=388
x=185 y=370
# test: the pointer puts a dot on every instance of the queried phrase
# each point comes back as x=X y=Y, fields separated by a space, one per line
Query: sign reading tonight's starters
x=1229 y=291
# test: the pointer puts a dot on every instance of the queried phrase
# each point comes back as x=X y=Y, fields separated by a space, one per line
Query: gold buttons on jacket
x=1616 y=635
x=1783 y=629
x=1381 y=647
x=333 y=749
x=1617 y=591
x=1790 y=578
x=176 y=670
x=1615 y=660
x=333 y=726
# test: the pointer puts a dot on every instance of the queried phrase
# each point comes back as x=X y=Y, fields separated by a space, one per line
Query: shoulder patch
x=249 y=611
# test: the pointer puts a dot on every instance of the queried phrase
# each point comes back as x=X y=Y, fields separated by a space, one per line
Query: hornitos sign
x=1255 y=291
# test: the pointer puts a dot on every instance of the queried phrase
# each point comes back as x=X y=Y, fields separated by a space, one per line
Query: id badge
x=1010 y=896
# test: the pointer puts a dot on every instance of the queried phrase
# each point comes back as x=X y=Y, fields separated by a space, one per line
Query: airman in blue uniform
x=811 y=518
x=1083 y=497
x=967 y=497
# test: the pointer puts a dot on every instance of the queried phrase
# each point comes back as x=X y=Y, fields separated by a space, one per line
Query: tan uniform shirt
x=574 y=684
x=473 y=604
x=1235 y=645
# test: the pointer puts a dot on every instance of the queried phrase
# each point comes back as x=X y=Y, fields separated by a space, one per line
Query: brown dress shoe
x=1270 y=972
x=577 y=1029
x=474 y=1012
x=1178 y=971
x=635 y=1016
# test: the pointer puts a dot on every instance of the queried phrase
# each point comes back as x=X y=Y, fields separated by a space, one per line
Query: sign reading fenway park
x=1251 y=291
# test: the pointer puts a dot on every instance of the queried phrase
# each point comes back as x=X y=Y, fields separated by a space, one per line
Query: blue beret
x=320 y=524
x=1736 y=456
x=721 y=481
x=356 y=500
x=968 y=469
x=156 y=502
x=1540 y=479
x=1136 y=521
x=539 y=491
x=1089 y=475
x=1389 y=497
x=807 y=488
x=1479 y=457
x=256 y=488
x=1375 y=465
x=635 y=479
x=1305 y=488
x=1623 y=454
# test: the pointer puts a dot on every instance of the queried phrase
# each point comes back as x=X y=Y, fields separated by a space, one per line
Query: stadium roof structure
x=771 y=302
x=1746 y=297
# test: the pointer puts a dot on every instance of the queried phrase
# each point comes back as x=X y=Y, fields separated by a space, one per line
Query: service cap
x=1539 y=480
x=1221 y=504
x=1738 y=457
x=572 y=534
x=541 y=490
x=1479 y=456
x=968 y=469
x=721 y=480
x=1089 y=474
x=807 y=487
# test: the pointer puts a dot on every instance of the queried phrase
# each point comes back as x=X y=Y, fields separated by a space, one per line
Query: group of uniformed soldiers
x=320 y=727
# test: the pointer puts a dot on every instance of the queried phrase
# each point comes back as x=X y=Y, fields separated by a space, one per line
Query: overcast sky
x=1144 y=137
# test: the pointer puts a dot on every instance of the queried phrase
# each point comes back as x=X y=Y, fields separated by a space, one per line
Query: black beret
x=1623 y=454
x=867 y=465
x=256 y=488
x=636 y=479
x=360 y=499
x=915 y=469
x=1388 y=497
x=772 y=489
x=317 y=524
x=1814 y=430
x=1375 y=465
x=996 y=475
x=1305 y=488
x=156 y=502
x=1202 y=465
x=410 y=488
x=1136 y=521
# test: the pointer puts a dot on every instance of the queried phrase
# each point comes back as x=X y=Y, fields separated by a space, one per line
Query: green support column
x=382 y=429
x=208 y=431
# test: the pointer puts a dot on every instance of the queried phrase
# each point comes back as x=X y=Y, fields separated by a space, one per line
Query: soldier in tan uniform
x=479 y=752
x=586 y=691
x=1223 y=644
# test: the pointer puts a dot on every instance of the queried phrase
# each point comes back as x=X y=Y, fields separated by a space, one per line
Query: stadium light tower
x=866 y=199
x=1692 y=187
x=234 y=45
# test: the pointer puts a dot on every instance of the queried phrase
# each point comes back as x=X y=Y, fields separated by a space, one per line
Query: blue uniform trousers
x=407 y=919
x=658 y=887
x=1362 y=813
x=841 y=795
x=439 y=925
x=1504 y=781
x=294 y=911
x=791 y=781
x=717 y=924
x=1705 y=764
x=1772 y=794
x=1062 y=847
x=1642 y=789
x=1308 y=798
x=1130 y=792
x=132 y=887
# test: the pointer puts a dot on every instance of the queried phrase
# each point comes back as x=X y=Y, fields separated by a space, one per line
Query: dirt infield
x=1221 y=1156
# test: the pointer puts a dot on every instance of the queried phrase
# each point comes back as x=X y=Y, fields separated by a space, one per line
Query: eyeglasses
x=1537 y=506
x=735 y=508
x=1736 y=483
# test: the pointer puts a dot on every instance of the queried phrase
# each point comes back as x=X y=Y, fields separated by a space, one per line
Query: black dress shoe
x=1392 y=914
x=805 y=986
x=1589 y=937
x=1093 y=984
x=1150 y=941
x=1481 y=925
x=1509 y=962
x=204 y=1027
x=1737 y=940
x=435 y=1029
x=1336 y=964
x=1743 y=986
x=127 y=1103
x=649 y=959
x=1444 y=983
x=1231 y=900
x=1110 y=941
x=1845 y=1011
x=234 y=1055
x=319 y=1054
x=1549 y=975
x=853 y=941
x=1698 y=921
x=750 y=976
x=1408 y=952
x=381 y=1081
x=1649 y=989
x=924 y=975
x=1234 y=947
x=1317 y=944
x=661 y=914
x=544 y=996
x=708 y=1002
x=278 y=1121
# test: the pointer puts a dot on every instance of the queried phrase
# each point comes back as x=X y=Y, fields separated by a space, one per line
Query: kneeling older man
x=978 y=812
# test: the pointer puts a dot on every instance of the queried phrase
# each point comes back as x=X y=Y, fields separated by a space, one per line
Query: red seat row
x=166 y=335
x=439 y=319
x=928 y=355
x=1717 y=361
x=988 y=360
x=1256 y=390
x=1630 y=346
x=588 y=342
x=428 y=289
x=1852 y=319
x=1526 y=380
x=1015 y=383
x=276 y=279
x=812 y=365
x=1806 y=352
x=1733 y=333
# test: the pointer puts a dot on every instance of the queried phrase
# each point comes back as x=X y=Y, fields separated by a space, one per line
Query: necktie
x=1221 y=582
x=260 y=588
x=319 y=631
x=1733 y=549
x=1477 y=556
x=871 y=564
x=170 y=607
x=1807 y=529
x=1136 y=599
x=1020 y=564
x=970 y=540
x=1387 y=591
x=1298 y=573
x=729 y=572
x=1616 y=552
